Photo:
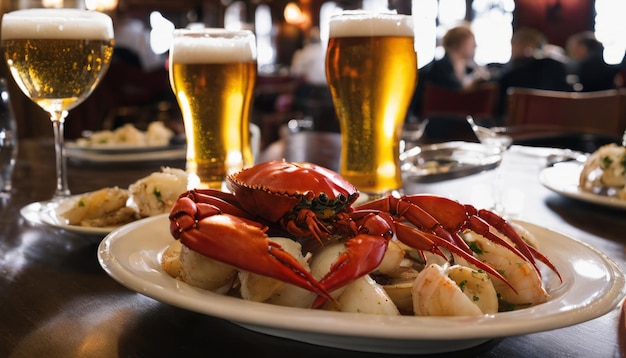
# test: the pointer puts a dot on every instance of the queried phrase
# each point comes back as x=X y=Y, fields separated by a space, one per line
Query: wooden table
x=56 y=301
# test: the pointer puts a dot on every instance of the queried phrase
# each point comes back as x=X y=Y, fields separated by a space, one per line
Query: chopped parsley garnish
x=157 y=193
x=475 y=247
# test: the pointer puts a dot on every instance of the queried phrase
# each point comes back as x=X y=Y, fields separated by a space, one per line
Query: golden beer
x=214 y=86
x=57 y=74
x=57 y=57
x=371 y=67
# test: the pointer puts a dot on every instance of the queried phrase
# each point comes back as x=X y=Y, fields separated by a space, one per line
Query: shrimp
x=364 y=295
x=526 y=287
x=605 y=169
x=453 y=291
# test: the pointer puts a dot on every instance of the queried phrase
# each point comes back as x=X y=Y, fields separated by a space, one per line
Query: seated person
x=587 y=63
x=530 y=67
x=455 y=70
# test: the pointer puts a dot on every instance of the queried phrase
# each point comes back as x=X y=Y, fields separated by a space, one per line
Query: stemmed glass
x=497 y=140
x=57 y=57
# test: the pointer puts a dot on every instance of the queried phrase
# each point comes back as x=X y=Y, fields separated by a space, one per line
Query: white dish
x=592 y=286
x=127 y=156
x=562 y=178
x=117 y=148
x=49 y=213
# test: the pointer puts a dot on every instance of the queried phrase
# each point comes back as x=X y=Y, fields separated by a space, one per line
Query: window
x=610 y=29
x=491 y=24
x=266 y=54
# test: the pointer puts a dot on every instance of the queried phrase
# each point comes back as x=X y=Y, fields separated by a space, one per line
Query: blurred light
x=234 y=16
x=263 y=29
x=293 y=14
x=52 y=3
x=610 y=29
x=425 y=25
x=101 y=5
x=161 y=33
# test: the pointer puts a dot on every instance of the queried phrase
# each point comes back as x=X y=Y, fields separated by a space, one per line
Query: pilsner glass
x=371 y=67
x=213 y=74
x=57 y=57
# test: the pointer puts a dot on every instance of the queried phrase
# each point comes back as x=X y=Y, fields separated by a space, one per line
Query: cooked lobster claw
x=243 y=244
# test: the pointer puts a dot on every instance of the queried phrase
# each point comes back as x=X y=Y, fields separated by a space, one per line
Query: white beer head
x=365 y=24
x=56 y=24
x=212 y=46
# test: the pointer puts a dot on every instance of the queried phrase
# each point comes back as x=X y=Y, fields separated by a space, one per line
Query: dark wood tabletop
x=56 y=300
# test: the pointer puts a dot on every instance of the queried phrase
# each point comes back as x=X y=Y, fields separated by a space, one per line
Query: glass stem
x=58 y=120
x=498 y=207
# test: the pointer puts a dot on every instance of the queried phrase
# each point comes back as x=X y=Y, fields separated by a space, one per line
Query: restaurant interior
x=137 y=90
x=74 y=290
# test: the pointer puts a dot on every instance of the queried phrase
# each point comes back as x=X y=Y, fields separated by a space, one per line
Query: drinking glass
x=213 y=74
x=371 y=68
x=57 y=57
x=8 y=140
x=498 y=141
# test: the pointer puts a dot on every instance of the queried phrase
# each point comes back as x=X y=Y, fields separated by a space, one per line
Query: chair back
x=601 y=112
x=479 y=102
x=620 y=78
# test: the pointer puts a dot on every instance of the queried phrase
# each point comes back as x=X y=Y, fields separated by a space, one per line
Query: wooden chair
x=620 y=79
x=446 y=110
x=581 y=121
x=479 y=102
x=601 y=112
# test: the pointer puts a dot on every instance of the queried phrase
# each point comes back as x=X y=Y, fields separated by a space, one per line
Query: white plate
x=592 y=286
x=562 y=178
x=49 y=213
x=117 y=148
x=127 y=156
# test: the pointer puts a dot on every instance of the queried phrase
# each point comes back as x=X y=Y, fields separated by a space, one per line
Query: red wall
x=557 y=19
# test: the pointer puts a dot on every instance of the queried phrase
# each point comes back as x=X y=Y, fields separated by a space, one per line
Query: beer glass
x=213 y=74
x=57 y=57
x=371 y=68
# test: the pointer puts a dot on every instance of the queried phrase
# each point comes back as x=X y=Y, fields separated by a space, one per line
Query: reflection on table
x=58 y=302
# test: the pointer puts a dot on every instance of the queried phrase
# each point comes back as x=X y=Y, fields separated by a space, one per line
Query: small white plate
x=592 y=285
x=49 y=213
x=127 y=156
x=117 y=148
x=562 y=178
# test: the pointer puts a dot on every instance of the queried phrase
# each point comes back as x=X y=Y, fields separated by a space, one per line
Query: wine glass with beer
x=57 y=57
x=371 y=68
x=213 y=74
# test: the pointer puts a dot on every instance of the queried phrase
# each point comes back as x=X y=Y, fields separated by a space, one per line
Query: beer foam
x=209 y=49
x=362 y=24
x=70 y=24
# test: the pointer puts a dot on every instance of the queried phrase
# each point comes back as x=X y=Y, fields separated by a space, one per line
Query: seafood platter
x=287 y=252
x=600 y=179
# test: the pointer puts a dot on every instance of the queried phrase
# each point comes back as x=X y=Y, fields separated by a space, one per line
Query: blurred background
x=291 y=40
